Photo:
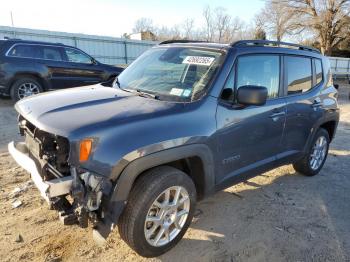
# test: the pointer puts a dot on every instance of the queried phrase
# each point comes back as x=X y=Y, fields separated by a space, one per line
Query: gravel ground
x=277 y=216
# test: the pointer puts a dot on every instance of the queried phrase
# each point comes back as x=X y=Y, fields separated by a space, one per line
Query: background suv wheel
x=159 y=211
x=24 y=87
x=316 y=156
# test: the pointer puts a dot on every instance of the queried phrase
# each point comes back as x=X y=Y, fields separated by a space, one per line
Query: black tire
x=21 y=81
x=303 y=166
x=144 y=193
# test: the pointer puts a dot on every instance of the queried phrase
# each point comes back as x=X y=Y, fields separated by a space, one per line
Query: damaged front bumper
x=85 y=188
x=48 y=189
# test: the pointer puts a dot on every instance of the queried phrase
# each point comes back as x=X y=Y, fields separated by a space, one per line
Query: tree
x=328 y=20
x=260 y=34
x=234 y=31
x=221 y=22
x=276 y=18
x=126 y=36
x=166 y=33
x=209 y=25
x=142 y=25
x=188 y=26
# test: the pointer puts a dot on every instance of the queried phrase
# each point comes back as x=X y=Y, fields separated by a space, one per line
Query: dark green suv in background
x=30 y=67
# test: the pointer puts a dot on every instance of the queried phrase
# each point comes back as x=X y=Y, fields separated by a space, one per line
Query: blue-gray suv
x=185 y=120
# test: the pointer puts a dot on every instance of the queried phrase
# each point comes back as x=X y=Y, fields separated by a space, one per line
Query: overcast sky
x=112 y=17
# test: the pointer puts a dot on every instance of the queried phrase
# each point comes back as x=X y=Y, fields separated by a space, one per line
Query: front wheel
x=313 y=161
x=159 y=211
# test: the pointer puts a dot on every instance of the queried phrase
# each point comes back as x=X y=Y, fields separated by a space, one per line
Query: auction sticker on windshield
x=176 y=91
x=198 y=60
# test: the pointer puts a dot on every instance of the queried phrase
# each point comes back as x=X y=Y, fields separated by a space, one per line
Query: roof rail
x=273 y=44
x=180 y=41
x=9 y=38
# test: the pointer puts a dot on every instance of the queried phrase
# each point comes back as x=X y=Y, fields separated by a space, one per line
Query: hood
x=74 y=110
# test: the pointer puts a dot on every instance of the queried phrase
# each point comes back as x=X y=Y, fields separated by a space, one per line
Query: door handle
x=316 y=104
x=277 y=114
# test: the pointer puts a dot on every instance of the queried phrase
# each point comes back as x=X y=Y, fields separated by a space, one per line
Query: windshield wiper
x=140 y=93
x=146 y=94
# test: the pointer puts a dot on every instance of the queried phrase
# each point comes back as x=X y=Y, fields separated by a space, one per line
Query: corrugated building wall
x=109 y=50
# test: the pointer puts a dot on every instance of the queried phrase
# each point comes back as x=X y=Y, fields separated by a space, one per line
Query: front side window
x=25 y=51
x=175 y=73
x=259 y=70
x=299 y=74
x=76 y=56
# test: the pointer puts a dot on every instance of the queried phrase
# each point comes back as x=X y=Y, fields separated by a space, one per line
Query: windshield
x=174 y=73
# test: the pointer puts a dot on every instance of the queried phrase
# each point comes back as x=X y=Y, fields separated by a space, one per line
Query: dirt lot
x=277 y=216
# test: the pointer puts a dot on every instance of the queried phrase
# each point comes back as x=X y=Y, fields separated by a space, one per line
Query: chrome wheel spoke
x=167 y=235
x=157 y=204
x=176 y=223
x=155 y=220
x=167 y=216
x=151 y=231
x=318 y=153
x=177 y=195
x=182 y=213
x=167 y=197
x=182 y=200
x=159 y=235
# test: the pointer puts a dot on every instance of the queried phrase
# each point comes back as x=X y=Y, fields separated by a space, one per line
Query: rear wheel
x=24 y=87
x=159 y=211
x=313 y=161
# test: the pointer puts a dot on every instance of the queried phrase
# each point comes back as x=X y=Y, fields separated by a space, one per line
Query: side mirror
x=336 y=86
x=93 y=61
x=252 y=95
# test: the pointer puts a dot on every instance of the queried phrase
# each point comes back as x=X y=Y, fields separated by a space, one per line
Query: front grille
x=48 y=150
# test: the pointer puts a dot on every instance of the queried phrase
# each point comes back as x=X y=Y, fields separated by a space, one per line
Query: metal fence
x=109 y=50
x=113 y=50
x=340 y=67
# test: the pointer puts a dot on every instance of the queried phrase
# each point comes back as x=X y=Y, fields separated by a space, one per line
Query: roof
x=15 y=40
x=243 y=44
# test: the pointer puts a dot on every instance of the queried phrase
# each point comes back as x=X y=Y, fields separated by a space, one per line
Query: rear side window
x=50 y=53
x=319 y=71
x=299 y=74
x=76 y=56
x=26 y=51
x=259 y=70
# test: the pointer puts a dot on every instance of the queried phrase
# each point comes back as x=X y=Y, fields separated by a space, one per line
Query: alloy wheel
x=27 y=89
x=167 y=216
x=319 y=152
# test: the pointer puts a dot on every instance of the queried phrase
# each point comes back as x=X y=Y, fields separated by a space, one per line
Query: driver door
x=249 y=138
x=78 y=69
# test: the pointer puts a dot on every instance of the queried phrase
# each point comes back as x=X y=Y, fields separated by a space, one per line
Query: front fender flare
x=136 y=167
x=118 y=199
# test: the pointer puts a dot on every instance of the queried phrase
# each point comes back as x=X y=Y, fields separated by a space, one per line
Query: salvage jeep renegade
x=183 y=121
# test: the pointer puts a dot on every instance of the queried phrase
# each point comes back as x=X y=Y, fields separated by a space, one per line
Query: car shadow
x=287 y=217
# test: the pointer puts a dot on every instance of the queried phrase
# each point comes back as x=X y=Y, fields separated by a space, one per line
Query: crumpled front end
x=76 y=193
